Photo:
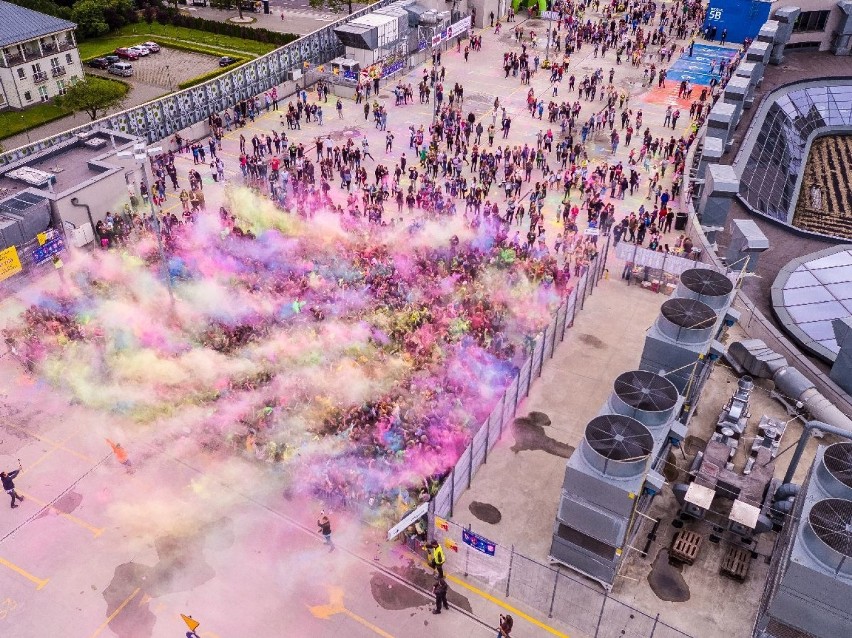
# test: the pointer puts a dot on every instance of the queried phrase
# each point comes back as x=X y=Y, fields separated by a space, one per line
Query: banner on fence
x=440 y=523
x=409 y=519
x=10 y=263
x=479 y=543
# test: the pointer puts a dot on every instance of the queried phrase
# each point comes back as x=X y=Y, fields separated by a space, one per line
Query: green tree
x=93 y=96
x=333 y=5
x=89 y=16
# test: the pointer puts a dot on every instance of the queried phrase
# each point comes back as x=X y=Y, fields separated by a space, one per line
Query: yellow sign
x=10 y=263
x=190 y=622
x=42 y=238
x=451 y=545
x=440 y=523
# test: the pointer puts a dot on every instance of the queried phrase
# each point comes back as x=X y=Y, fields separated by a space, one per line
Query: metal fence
x=541 y=349
x=560 y=594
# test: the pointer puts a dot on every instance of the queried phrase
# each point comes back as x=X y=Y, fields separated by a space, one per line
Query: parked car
x=141 y=50
x=226 y=60
x=126 y=54
x=98 y=63
x=112 y=59
x=124 y=69
x=153 y=47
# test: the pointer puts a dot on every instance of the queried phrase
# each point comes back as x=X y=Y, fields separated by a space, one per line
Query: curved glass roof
x=811 y=292
x=776 y=158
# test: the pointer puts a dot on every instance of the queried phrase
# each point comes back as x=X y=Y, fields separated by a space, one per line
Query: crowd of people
x=432 y=308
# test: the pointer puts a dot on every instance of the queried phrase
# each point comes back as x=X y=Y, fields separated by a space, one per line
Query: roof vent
x=617 y=445
x=828 y=534
x=647 y=397
x=835 y=471
x=686 y=320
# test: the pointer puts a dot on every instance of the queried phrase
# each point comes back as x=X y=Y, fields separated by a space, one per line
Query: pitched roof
x=18 y=24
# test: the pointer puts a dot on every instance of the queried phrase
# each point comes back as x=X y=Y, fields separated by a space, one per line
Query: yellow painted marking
x=40 y=582
x=30 y=466
x=96 y=531
x=507 y=607
x=49 y=442
x=115 y=613
x=336 y=606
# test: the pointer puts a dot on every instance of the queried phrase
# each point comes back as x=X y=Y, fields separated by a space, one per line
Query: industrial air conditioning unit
x=608 y=472
x=685 y=330
x=813 y=594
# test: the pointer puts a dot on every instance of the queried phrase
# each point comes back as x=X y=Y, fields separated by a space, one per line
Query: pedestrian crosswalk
x=311 y=13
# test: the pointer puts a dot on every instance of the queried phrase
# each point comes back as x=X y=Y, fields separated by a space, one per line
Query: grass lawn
x=178 y=37
x=14 y=122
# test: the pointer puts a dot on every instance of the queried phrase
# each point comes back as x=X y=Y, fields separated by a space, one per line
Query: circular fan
x=703 y=281
x=838 y=461
x=689 y=314
x=646 y=391
x=831 y=521
x=619 y=438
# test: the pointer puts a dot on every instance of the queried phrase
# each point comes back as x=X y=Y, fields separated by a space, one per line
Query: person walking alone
x=325 y=529
x=436 y=558
x=9 y=484
x=504 y=629
x=440 y=591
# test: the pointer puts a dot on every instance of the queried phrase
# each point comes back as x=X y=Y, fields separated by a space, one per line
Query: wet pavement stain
x=68 y=502
x=591 y=340
x=425 y=579
x=181 y=567
x=666 y=579
x=529 y=436
x=539 y=418
x=485 y=512
x=393 y=595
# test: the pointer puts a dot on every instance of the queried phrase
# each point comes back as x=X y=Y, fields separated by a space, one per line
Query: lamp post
x=140 y=154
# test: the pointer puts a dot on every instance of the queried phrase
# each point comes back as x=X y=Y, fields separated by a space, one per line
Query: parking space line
x=336 y=606
x=40 y=582
x=44 y=439
x=117 y=611
x=96 y=531
x=30 y=466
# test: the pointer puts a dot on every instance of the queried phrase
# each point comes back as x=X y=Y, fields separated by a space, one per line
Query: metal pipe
x=75 y=202
x=803 y=440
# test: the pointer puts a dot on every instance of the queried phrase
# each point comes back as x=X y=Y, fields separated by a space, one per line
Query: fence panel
x=538 y=356
x=532 y=582
x=443 y=499
x=462 y=475
x=561 y=319
x=577 y=604
x=479 y=445
x=509 y=404
x=524 y=380
x=551 y=338
x=622 y=621
x=571 y=309
x=495 y=424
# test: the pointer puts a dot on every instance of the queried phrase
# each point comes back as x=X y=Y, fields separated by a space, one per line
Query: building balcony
x=58 y=71
x=66 y=45
x=39 y=77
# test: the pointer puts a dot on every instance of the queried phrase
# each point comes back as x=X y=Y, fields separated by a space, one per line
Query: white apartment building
x=38 y=56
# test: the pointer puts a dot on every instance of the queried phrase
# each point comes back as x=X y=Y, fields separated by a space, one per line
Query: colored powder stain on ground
x=485 y=512
x=666 y=579
x=530 y=436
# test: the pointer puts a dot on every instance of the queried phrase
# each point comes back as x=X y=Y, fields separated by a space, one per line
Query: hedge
x=167 y=15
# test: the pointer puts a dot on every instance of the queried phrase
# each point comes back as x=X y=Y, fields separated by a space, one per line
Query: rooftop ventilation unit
x=617 y=445
x=603 y=479
x=834 y=474
x=814 y=587
x=682 y=334
x=645 y=396
x=707 y=286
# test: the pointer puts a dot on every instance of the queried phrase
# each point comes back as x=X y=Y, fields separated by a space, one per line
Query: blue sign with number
x=48 y=250
x=479 y=543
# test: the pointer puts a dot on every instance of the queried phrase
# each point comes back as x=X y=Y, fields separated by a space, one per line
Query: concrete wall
x=824 y=37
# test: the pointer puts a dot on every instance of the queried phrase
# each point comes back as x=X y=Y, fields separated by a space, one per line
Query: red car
x=127 y=54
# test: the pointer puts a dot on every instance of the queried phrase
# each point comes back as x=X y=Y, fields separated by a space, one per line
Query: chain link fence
x=503 y=572
x=541 y=349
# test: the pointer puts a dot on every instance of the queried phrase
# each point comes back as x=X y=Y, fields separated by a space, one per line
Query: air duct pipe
x=803 y=441
x=757 y=359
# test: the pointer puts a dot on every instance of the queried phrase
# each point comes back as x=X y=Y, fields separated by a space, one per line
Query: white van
x=124 y=69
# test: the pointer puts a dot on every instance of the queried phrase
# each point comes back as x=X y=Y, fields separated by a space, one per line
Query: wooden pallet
x=736 y=563
x=685 y=546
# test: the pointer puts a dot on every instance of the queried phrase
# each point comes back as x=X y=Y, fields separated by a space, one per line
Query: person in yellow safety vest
x=437 y=558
